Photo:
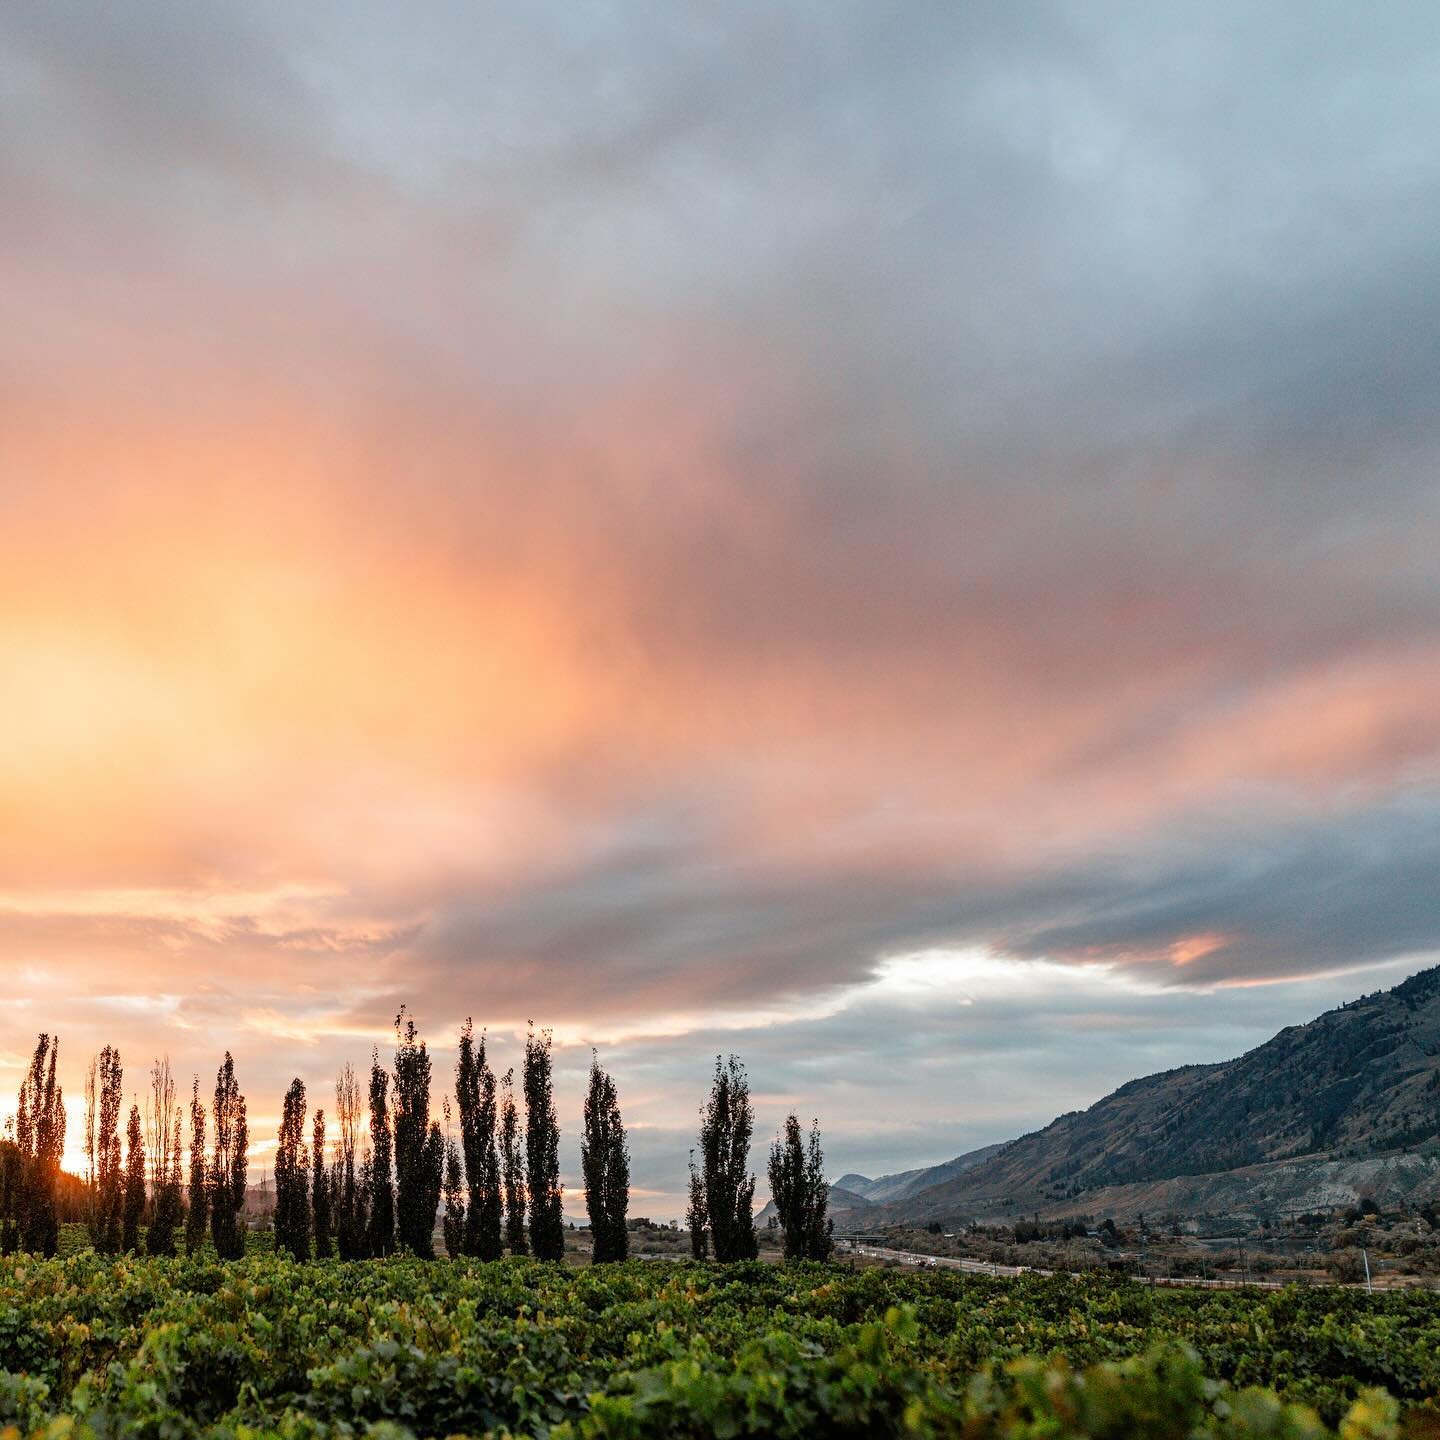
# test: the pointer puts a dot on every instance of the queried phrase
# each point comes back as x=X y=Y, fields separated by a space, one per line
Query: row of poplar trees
x=500 y=1183
x=375 y=1195
x=214 y=1198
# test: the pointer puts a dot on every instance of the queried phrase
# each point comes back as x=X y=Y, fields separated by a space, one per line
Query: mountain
x=889 y=1188
x=846 y=1209
x=1312 y=1113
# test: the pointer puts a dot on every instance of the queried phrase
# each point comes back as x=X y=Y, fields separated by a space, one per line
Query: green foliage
x=179 y=1349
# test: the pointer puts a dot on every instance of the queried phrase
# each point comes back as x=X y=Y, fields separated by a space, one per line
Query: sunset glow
x=703 y=566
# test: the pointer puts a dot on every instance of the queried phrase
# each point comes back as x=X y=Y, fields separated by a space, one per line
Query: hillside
x=1356 y=1083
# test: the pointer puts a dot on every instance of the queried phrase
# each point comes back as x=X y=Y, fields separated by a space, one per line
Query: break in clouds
x=651 y=521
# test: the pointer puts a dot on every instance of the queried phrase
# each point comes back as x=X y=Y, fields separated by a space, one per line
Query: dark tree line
x=30 y=1158
x=131 y=1186
x=500 y=1184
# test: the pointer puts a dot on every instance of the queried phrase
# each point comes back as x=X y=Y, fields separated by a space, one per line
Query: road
x=985 y=1267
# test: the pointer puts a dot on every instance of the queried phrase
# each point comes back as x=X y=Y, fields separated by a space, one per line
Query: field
x=173 y=1348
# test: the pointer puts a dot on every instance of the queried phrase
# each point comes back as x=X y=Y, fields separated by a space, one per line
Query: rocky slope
x=1358 y=1083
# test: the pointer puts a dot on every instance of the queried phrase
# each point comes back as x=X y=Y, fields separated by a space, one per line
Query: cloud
x=642 y=520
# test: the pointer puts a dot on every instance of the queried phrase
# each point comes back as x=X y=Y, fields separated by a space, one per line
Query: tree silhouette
x=475 y=1098
x=419 y=1146
x=346 y=1185
x=801 y=1196
x=605 y=1161
x=454 y=1201
x=542 y=1151
x=102 y=1127
x=292 y=1203
x=39 y=1142
x=726 y=1123
x=695 y=1219
x=163 y=1125
x=381 y=1188
x=512 y=1158
x=228 y=1165
x=320 y=1198
x=134 y=1199
x=197 y=1215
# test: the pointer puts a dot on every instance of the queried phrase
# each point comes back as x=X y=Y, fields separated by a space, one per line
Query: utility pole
x=1365 y=1256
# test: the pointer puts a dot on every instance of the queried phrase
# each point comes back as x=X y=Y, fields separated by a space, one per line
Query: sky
x=898 y=541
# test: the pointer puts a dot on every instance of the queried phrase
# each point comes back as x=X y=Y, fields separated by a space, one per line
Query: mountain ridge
x=1356 y=1083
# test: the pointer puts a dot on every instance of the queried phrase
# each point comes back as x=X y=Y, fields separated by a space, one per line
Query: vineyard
x=171 y=1349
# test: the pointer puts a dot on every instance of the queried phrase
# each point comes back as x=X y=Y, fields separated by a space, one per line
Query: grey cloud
x=1035 y=358
x=672 y=928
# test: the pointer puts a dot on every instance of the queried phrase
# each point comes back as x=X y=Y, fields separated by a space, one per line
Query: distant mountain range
x=1323 y=1113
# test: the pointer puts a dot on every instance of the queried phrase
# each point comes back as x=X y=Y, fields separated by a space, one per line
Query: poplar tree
x=512 y=1159
x=381 y=1189
x=197 y=1215
x=419 y=1146
x=39 y=1143
x=727 y=1121
x=175 y=1216
x=542 y=1151
x=605 y=1161
x=351 y=1216
x=695 y=1214
x=475 y=1098
x=162 y=1145
x=320 y=1198
x=364 y=1189
x=801 y=1196
x=134 y=1203
x=103 y=1096
x=228 y=1165
x=292 y=1205
x=454 y=1202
